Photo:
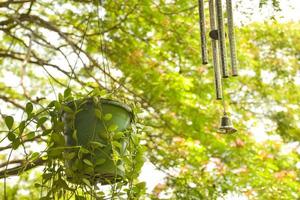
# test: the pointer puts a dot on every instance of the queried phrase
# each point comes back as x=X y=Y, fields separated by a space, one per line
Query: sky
x=246 y=12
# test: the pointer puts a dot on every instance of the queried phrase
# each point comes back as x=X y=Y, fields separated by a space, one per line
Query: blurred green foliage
x=154 y=48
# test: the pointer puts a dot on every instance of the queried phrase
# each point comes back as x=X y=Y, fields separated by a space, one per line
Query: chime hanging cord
x=223 y=99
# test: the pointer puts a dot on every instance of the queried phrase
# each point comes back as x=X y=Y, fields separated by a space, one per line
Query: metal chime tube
x=221 y=36
x=202 y=32
x=214 y=44
x=231 y=36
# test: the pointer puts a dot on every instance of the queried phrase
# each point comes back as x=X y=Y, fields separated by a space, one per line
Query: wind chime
x=218 y=45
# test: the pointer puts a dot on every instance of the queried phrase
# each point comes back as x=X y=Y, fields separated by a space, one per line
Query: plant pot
x=91 y=125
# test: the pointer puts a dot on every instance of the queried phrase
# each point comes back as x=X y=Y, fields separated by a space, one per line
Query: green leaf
x=107 y=116
x=60 y=97
x=100 y=161
x=117 y=144
x=96 y=144
x=51 y=104
x=98 y=92
x=112 y=127
x=31 y=135
x=67 y=92
x=67 y=109
x=37 y=185
x=84 y=150
x=57 y=105
x=54 y=152
x=22 y=127
x=58 y=139
x=29 y=108
x=118 y=135
x=69 y=155
x=9 y=121
x=74 y=135
x=62 y=184
x=11 y=136
x=34 y=156
x=121 y=168
x=98 y=113
x=89 y=163
x=47 y=132
x=16 y=143
x=77 y=197
x=41 y=121
x=87 y=182
x=47 y=176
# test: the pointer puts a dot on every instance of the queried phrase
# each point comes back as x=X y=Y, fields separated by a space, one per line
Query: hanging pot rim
x=89 y=100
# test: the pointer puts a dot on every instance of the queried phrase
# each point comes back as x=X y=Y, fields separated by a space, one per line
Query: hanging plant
x=91 y=142
x=99 y=127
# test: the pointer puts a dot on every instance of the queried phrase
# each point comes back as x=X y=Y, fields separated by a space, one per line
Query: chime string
x=223 y=99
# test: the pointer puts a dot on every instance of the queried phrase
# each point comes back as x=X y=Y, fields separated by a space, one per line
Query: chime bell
x=226 y=125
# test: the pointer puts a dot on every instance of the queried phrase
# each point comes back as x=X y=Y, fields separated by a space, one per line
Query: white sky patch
x=102 y=12
x=247 y=12
x=298 y=150
x=267 y=76
x=297 y=78
x=211 y=166
x=247 y=72
x=169 y=1
x=116 y=72
x=298 y=165
x=151 y=176
x=11 y=180
x=10 y=79
x=23 y=192
x=61 y=8
x=52 y=37
x=289 y=148
x=150 y=34
x=258 y=131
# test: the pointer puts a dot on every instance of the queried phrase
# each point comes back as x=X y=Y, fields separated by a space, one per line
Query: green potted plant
x=91 y=140
x=98 y=125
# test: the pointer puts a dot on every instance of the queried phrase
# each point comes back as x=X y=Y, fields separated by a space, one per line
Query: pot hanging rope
x=101 y=132
x=219 y=51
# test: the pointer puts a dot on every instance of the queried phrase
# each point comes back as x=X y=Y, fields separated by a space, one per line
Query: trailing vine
x=70 y=170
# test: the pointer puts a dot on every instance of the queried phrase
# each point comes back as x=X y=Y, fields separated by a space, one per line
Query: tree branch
x=7 y=3
x=19 y=169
